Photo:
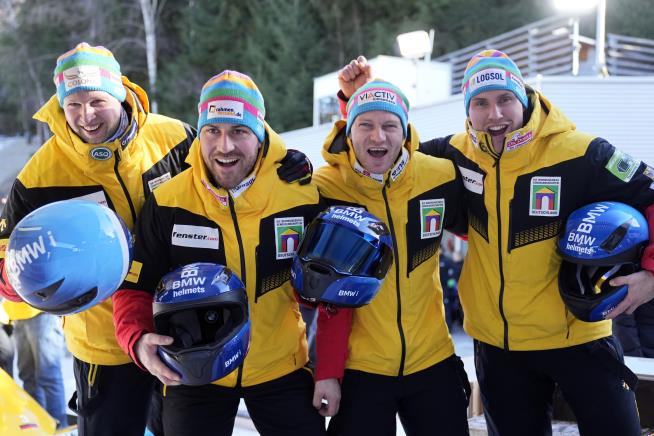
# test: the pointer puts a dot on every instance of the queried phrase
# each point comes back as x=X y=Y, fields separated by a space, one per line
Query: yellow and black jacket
x=247 y=221
x=151 y=151
x=518 y=202
x=403 y=329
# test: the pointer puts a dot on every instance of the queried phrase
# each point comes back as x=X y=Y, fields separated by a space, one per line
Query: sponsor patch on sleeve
x=195 y=236
x=134 y=272
x=96 y=197
x=472 y=180
x=158 y=181
x=622 y=166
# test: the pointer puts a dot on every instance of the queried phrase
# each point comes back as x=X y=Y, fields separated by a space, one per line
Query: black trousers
x=517 y=387
x=111 y=400
x=428 y=402
x=281 y=407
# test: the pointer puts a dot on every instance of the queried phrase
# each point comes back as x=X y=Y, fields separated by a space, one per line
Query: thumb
x=619 y=281
x=367 y=71
x=160 y=340
x=317 y=399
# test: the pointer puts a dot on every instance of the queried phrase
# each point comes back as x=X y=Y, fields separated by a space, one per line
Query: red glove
x=6 y=290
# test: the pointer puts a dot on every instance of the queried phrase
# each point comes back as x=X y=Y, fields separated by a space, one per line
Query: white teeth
x=91 y=128
x=496 y=128
x=377 y=149
x=226 y=161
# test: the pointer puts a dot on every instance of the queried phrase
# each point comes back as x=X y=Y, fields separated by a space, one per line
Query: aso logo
x=101 y=153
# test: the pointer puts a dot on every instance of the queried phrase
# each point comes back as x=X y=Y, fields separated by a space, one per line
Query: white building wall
x=618 y=109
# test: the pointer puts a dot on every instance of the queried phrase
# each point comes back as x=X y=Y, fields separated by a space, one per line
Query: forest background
x=171 y=47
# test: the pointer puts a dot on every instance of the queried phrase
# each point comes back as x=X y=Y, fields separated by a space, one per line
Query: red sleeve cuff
x=342 y=103
x=132 y=319
x=332 y=334
x=6 y=290
x=647 y=261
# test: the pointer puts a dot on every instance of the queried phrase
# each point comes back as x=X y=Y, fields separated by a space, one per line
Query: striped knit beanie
x=492 y=70
x=232 y=97
x=88 y=68
x=378 y=95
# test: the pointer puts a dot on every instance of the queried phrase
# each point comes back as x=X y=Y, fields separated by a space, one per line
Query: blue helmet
x=600 y=241
x=343 y=257
x=204 y=308
x=68 y=256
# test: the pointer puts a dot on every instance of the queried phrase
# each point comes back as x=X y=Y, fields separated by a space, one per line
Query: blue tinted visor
x=345 y=250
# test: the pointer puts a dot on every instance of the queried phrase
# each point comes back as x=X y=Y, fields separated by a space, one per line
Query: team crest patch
x=432 y=213
x=288 y=232
x=545 y=196
x=622 y=166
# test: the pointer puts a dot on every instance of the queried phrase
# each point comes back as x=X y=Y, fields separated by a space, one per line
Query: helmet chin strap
x=606 y=276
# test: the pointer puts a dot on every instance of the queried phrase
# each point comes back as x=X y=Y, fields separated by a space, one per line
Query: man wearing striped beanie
x=393 y=357
x=91 y=92
x=517 y=149
x=518 y=145
x=107 y=147
x=229 y=207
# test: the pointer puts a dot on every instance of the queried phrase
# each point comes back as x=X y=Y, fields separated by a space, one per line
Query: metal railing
x=544 y=47
x=629 y=56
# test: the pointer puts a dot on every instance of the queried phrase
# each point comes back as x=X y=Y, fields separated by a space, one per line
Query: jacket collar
x=52 y=114
x=338 y=152
x=519 y=145
x=254 y=190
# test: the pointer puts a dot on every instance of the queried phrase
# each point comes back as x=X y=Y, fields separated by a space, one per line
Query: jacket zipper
x=125 y=191
x=400 y=371
x=499 y=255
x=510 y=235
x=232 y=211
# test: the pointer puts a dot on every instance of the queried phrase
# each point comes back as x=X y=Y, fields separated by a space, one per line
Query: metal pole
x=600 y=36
x=427 y=57
x=576 y=46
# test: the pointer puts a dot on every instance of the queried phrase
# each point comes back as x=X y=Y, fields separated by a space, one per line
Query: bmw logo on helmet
x=68 y=256
x=204 y=308
x=600 y=241
x=343 y=257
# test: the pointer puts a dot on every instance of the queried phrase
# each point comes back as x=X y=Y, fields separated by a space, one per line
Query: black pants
x=111 y=400
x=517 y=387
x=280 y=407
x=428 y=402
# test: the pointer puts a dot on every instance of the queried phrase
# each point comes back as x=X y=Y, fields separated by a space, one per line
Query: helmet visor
x=345 y=251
